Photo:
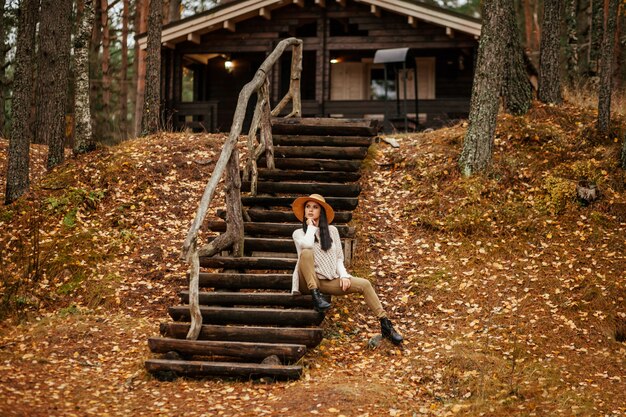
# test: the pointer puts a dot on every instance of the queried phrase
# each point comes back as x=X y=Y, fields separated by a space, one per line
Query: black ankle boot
x=386 y=328
x=319 y=304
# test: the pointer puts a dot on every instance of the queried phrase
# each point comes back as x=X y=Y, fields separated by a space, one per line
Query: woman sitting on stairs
x=320 y=267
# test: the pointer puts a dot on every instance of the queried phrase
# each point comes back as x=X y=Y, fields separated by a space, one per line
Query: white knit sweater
x=328 y=264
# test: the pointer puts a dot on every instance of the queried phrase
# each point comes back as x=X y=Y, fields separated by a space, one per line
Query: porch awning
x=390 y=56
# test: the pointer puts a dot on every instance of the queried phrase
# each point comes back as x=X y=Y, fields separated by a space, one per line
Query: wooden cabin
x=207 y=58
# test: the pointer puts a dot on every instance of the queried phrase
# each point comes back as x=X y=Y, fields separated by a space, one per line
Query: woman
x=320 y=267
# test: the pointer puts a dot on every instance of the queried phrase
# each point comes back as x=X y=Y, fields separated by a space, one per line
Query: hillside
x=509 y=292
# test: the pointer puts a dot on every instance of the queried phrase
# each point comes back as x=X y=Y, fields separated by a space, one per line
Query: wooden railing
x=228 y=163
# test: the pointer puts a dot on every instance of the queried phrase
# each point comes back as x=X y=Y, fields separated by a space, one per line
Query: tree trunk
x=478 y=143
x=21 y=134
x=106 y=62
x=571 y=16
x=516 y=89
x=83 y=137
x=124 y=72
x=3 y=78
x=152 y=98
x=549 y=61
x=52 y=79
x=606 y=68
x=174 y=13
x=595 y=41
x=141 y=25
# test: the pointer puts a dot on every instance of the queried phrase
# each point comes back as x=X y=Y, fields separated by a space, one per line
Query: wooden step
x=250 y=298
x=304 y=140
x=320 y=152
x=315 y=164
x=287 y=353
x=240 y=281
x=274 y=229
x=284 y=216
x=267 y=244
x=321 y=176
x=247 y=262
x=325 y=189
x=222 y=369
x=308 y=336
x=337 y=203
x=253 y=316
x=325 y=126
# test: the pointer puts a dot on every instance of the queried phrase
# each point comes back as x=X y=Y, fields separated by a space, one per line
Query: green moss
x=559 y=192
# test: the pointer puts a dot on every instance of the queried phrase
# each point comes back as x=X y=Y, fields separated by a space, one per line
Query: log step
x=250 y=298
x=322 y=176
x=253 y=316
x=308 y=336
x=311 y=164
x=311 y=140
x=275 y=229
x=325 y=189
x=227 y=369
x=252 y=351
x=320 y=152
x=257 y=263
x=262 y=244
x=284 y=216
x=237 y=281
x=325 y=126
x=337 y=203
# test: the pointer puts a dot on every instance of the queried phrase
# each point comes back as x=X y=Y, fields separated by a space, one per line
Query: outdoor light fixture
x=228 y=64
x=334 y=61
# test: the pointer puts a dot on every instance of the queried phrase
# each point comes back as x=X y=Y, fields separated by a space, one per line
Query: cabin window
x=342 y=27
x=377 y=84
x=307 y=30
x=187 y=90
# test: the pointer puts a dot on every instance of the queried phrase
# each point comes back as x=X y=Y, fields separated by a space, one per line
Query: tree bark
x=606 y=68
x=596 y=35
x=549 y=60
x=124 y=72
x=478 y=143
x=141 y=25
x=516 y=89
x=52 y=79
x=3 y=78
x=106 y=63
x=21 y=134
x=174 y=10
x=152 y=97
x=571 y=16
x=83 y=137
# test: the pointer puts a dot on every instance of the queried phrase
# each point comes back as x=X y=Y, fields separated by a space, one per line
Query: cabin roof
x=227 y=15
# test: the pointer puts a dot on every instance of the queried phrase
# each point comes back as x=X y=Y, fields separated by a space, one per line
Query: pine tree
x=549 y=61
x=83 y=139
x=21 y=134
x=606 y=68
x=478 y=143
x=516 y=88
x=152 y=98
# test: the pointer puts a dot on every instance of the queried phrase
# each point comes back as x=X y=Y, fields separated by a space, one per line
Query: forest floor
x=509 y=292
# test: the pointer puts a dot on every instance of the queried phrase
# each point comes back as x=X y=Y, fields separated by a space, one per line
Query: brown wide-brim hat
x=298 y=206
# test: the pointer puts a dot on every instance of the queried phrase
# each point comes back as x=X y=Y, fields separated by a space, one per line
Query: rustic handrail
x=229 y=158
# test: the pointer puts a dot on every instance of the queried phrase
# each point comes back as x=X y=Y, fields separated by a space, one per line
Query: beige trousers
x=310 y=281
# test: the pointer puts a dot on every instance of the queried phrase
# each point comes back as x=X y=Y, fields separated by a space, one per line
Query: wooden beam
x=321 y=3
x=169 y=45
x=412 y=21
x=229 y=25
x=450 y=32
x=193 y=37
x=265 y=12
x=375 y=10
x=299 y=2
x=342 y=3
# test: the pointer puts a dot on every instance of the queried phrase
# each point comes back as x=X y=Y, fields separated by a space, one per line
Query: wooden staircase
x=248 y=312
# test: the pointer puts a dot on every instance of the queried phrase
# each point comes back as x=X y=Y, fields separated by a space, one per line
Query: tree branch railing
x=228 y=163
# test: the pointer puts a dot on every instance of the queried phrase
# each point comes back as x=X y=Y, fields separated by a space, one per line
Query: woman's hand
x=345 y=283
x=311 y=222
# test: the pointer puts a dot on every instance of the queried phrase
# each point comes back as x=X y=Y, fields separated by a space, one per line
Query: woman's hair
x=325 y=239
